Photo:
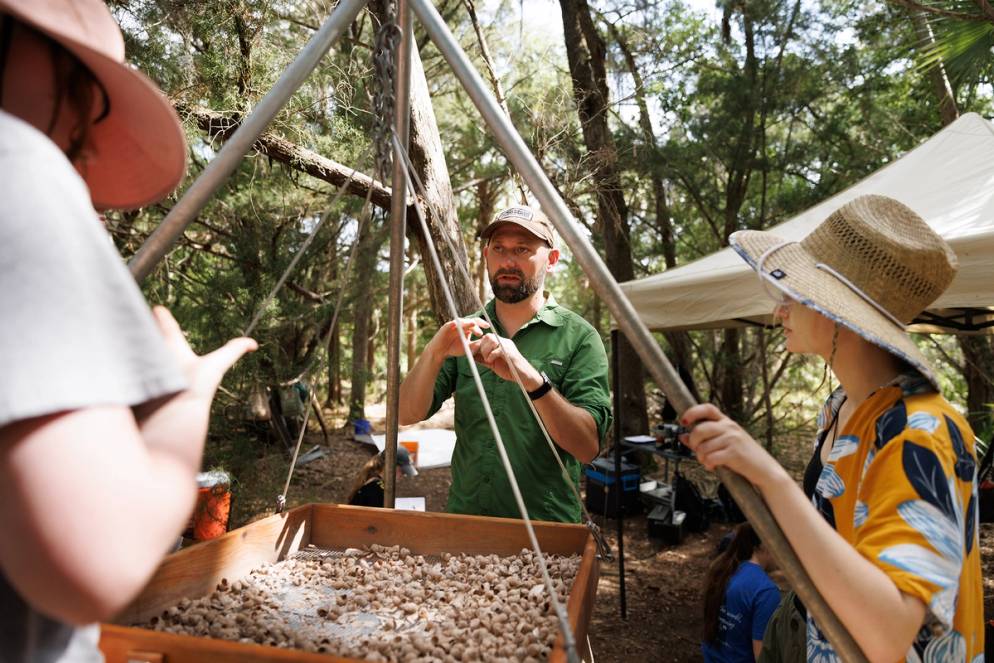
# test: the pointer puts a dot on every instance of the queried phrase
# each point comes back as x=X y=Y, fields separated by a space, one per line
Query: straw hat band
x=771 y=278
x=901 y=268
x=869 y=300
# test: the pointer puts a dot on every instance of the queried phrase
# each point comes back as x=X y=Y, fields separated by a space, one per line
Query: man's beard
x=512 y=294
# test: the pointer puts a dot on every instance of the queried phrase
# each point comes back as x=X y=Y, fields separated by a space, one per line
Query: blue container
x=602 y=488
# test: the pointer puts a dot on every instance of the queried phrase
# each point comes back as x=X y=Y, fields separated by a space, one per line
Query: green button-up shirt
x=564 y=346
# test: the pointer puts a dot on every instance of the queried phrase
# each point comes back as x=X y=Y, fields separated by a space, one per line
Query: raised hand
x=718 y=441
x=446 y=342
x=179 y=422
x=498 y=356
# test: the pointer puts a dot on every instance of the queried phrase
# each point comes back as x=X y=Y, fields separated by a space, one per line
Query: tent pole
x=398 y=216
x=640 y=337
x=220 y=168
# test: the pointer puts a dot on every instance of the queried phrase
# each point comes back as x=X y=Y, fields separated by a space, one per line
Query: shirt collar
x=549 y=313
x=910 y=383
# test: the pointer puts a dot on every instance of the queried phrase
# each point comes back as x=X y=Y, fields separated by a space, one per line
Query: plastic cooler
x=603 y=488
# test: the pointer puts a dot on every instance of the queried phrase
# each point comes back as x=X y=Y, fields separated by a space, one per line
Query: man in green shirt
x=561 y=362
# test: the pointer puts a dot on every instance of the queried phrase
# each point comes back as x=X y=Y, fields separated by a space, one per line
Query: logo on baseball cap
x=530 y=219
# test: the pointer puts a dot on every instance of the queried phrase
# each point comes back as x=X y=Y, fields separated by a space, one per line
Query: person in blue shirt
x=739 y=599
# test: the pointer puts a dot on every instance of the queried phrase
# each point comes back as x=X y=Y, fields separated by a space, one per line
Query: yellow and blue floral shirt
x=900 y=486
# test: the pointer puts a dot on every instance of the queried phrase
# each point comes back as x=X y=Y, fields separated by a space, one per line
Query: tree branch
x=219 y=125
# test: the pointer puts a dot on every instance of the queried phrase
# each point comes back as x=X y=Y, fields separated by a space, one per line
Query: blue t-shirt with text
x=750 y=600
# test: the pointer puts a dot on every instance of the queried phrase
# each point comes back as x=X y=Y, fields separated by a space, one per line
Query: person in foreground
x=739 y=599
x=890 y=535
x=558 y=356
x=103 y=405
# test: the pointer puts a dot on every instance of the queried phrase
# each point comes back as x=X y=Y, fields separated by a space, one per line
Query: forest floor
x=663 y=583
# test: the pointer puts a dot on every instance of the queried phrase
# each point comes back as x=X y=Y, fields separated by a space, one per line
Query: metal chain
x=385 y=47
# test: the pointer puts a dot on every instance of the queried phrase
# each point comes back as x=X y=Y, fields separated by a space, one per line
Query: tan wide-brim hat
x=871 y=266
x=138 y=151
x=525 y=217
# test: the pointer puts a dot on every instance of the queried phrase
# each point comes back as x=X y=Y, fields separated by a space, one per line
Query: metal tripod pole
x=398 y=218
x=220 y=168
x=640 y=337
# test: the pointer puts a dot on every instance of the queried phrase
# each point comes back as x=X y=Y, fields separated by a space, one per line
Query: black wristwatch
x=543 y=388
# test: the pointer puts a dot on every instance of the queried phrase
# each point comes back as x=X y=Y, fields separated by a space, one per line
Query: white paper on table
x=435 y=446
x=409 y=503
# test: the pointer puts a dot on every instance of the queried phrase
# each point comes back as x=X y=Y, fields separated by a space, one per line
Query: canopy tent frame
x=947 y=178
x=507 y=137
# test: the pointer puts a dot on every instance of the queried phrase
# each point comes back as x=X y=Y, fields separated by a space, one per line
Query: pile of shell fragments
x=385 y=604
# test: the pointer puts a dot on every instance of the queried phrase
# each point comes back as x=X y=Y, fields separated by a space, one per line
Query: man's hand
x=500 y=355
x=446 y=342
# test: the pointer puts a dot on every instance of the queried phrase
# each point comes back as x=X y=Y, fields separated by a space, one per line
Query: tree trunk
x=586 y=53
x=438 y=202
x=737 y=186
x=680 y=357
x=978 y=370
x=370 y=241
x=487 y=198
x=730 y=374
x=334 y=368
x=978 y=351
x=374 y=331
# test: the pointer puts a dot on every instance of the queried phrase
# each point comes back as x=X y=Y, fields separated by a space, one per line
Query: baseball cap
x=528 y=218
x=404 y=463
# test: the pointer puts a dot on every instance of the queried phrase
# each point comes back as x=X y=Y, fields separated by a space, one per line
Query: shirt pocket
x=469 y=414
x=553 y=367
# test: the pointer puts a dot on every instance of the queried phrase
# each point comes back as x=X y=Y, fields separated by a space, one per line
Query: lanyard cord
x=568 y=638
x=603 y=549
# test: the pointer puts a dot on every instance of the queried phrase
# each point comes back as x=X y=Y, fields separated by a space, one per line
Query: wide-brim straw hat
x=138 y=151
x=871 y=266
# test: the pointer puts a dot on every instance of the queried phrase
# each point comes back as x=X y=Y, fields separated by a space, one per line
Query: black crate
x=602 y=488
x=666 y=524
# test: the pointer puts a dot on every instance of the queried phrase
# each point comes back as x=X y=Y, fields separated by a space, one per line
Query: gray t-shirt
x=75 y=332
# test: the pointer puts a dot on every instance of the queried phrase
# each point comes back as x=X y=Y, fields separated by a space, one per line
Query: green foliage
x=754 y=118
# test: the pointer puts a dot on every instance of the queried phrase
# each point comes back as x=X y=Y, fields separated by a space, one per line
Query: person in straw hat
x=889 y=535
x=103 y=405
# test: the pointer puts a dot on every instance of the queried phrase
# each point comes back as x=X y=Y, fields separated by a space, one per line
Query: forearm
x=569 y=426
x=88 y=512
x=175 y=427
x=881 y=619
x=418 y=388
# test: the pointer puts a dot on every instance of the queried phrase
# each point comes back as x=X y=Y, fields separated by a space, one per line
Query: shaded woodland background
x=665 y=125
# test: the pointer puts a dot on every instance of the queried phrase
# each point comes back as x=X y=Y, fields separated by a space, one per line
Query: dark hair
x=372 y=468
x=742 y=546
x=75 y=85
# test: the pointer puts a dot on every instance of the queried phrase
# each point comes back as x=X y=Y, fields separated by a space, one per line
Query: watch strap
x=542 y=390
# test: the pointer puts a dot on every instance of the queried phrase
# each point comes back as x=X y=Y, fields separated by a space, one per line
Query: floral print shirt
x=900 y=486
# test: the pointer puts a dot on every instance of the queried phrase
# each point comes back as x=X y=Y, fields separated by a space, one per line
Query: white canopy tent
x=948 y=180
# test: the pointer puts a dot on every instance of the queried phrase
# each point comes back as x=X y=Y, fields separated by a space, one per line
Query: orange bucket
x=412 y=449
x=210 y=516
